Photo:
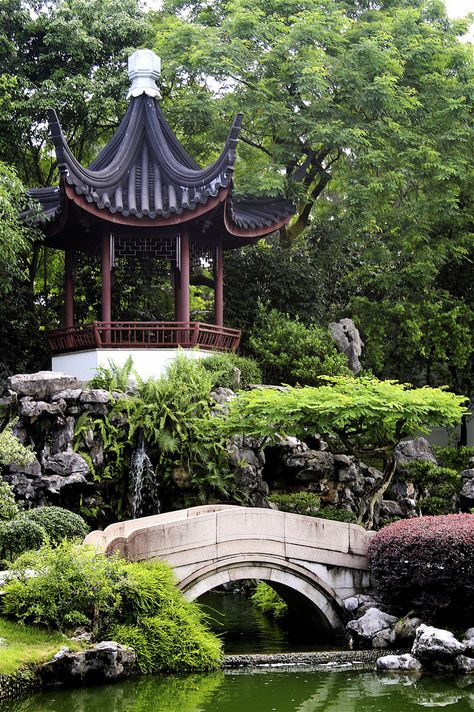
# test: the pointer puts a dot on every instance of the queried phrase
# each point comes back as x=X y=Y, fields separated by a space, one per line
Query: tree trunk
x=366 y=509
x=463 y=435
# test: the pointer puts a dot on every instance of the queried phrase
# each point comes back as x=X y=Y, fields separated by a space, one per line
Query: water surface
x=258 y=691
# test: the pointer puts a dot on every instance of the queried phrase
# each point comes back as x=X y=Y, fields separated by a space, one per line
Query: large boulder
x=398 y=662
x=436 y=646
x=66 y=464
x=41 y=385
x=374 y=629
x=106 y=662
x=408 y=451
x=348 y=341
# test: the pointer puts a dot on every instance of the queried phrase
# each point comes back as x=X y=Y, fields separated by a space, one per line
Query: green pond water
x=267 y=689
x=261 y=691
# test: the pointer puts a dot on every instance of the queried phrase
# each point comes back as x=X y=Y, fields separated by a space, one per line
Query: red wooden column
x=69 y=287
x=219 y=286
x=106 y=281
x=183 y=290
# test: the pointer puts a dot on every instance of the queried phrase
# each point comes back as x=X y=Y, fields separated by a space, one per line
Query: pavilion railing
x=143 y=335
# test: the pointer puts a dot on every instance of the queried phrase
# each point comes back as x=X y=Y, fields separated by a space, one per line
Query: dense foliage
x=290 y=352
x=267 y=600
x=232 y=371
x=11 y=449
x=427 y=564
x=8 y=507
x=172 y=417
x=440 y=486
x=58 y=523
x=18 y=536
x=364 y=416
x=135 y=604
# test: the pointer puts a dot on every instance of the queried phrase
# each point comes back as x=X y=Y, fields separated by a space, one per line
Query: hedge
x=427 y=564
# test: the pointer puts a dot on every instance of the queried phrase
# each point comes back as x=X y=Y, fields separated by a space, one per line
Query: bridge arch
x=322 y=599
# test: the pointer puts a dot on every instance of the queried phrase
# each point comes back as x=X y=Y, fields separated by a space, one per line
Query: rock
x=435 y=645
x=41 y=385
x=409 y=450
x=248 y=459
x=468 y=474
x=348 y=341
x=223 y=395
x=95 y=395
x=106 y=662
x=390 y=508
x=66 y=464
x=342 y=460
x=405 y=629
x=465 y=664
x=29 y=408
x=181 y=477
x=373 y=629
x=55 y=484
x=61 y=439
x=348 y=474
x=398 y=662
x=313 y=465
x=468 y=640
x=82 y=635
x=70 y=394
x=467 y=492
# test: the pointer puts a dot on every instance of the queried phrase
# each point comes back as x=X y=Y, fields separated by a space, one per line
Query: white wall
x=146 y=362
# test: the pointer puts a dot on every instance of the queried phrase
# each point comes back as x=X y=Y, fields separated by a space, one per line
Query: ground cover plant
x=136 y=604
x=427 y=564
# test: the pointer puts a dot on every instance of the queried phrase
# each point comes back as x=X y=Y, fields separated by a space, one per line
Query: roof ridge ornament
x=144 y=67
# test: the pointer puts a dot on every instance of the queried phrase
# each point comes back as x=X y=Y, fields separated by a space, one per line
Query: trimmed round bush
x=427 y=564
x=19 y=535
x=8 y=507
x=58 y=523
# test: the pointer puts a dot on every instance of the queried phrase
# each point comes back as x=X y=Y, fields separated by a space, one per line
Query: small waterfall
x=144 y=487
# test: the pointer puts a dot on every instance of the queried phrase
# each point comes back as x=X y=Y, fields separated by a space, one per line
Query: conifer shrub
x=58 y=523
x=427 y=564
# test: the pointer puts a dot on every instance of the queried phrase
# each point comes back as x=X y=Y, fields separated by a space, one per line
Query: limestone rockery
x=46 y=407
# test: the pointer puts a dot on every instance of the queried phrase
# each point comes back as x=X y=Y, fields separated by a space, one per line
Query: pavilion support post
x=219 y=286
x=69 y=287
x=106 y=282
x=182 y=292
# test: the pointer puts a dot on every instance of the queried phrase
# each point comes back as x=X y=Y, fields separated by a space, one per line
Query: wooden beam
x=106 y=263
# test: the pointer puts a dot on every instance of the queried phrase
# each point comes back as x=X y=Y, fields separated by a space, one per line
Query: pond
x=268 y=690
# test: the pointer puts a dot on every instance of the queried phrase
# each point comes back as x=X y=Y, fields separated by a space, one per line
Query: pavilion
x=145 y=198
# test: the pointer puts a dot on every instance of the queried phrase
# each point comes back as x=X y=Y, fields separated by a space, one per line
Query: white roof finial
x=144 y=67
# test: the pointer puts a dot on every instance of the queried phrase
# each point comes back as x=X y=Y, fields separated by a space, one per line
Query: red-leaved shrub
x=427 y=564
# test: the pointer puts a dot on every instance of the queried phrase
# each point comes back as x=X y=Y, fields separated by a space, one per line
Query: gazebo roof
x=144 y=176
x=144 y=170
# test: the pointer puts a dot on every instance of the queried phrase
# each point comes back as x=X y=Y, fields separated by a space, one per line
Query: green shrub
x=136 y=604
x=267 y=600
x=308 y=503
x=232 y=371
x=74 y=585
x=8 y=507
x=11 y=449
x=290 y=352
x=19 y=535
x=455 y=458
x=297 y=502
x=58 y=523
x=439 y=486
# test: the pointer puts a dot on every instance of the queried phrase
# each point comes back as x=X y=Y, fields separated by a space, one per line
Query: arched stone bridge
x=319 y=561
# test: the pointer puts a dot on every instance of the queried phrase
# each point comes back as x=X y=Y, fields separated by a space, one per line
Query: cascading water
x=144 y=487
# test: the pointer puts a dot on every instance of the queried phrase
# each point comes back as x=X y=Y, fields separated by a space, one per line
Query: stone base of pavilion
x=148 y=363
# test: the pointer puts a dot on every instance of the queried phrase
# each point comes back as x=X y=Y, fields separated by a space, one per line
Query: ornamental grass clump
x=427 y=564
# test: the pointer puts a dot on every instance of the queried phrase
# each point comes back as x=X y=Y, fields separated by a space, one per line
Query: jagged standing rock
x=348 y=341
x=374 y=629
x=435 y=646
x=105 y=662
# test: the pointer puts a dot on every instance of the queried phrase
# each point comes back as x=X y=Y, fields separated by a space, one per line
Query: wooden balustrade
x=143 y=335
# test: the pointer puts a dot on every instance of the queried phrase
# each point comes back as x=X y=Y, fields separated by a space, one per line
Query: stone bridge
x=314 y=563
